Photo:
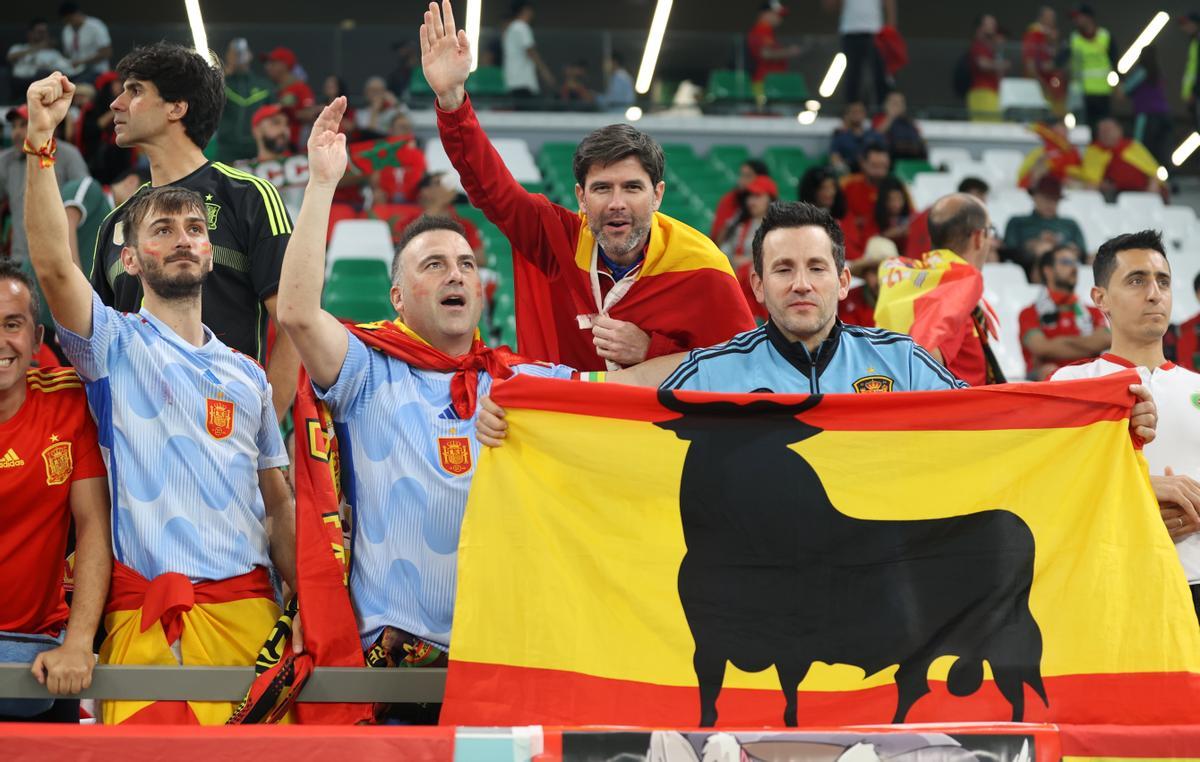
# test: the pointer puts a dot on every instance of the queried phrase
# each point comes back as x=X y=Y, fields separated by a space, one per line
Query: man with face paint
x=605 y=287
x=200 y=507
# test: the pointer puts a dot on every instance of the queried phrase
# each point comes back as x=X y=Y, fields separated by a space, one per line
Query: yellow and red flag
x=633 y=557
x=928 y=298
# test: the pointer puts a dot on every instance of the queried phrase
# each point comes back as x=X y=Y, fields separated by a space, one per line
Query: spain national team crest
x=455 y=454
x=218 y=418
x=58 y=463
x=213 y=211
x=873 y=384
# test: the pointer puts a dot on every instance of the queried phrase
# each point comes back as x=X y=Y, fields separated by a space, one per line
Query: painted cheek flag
x=928 y=298
x=988 y=554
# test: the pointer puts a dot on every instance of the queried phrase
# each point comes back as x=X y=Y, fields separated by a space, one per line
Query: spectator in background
x=620 y=94
x=374 y=119
x=1184 y=339
x=1190 y=24
x=759 y=194
x=987 y=67
x=851 y=139
x=859 y=23
x=821 y=188
x=245 y=93
x=1040 y=59
x=69 y=165
x=1055 y=156
x=1028 y=237
x=900 y=133
x=400 y=78
x=522 y=65
x=1093 y=56
x=1058 y=329
x=574 y=90
x=293 y=94
x=767 y=56
x=893 y=212
x=34 y=58
x=88 y=203
x=918 y=229
x=274 y=160
x=862 y=193
x=1114 y=163
x=85 y=42
x=1152 y=115
x=94 y=134
x=333 y=87
x=732 y=203
x=858 y=308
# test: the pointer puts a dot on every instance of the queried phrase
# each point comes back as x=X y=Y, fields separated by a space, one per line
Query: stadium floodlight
x=633 y=113
x=1185 y=149
x=812 y=105
x=474 y=14
x=1113 y=79
x=806 y=117
x=1145 y=38
x=1162 y=174
x=837 y=67
x=199 y=36
x=658 y=29
x=1069 y=120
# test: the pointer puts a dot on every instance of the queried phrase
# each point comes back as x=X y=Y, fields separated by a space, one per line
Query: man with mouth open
x=200 y=507
x=604 y=288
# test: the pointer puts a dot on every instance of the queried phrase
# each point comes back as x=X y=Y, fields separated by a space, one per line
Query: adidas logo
x=11 y=459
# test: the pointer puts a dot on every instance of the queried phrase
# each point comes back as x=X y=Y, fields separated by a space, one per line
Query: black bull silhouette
x=774 y=574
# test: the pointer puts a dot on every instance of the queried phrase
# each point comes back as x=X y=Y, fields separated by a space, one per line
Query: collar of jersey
x=169 y=334
x=798 y=355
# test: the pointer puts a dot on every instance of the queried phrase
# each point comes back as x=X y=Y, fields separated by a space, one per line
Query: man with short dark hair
x=611 y=285
x=1031 y=235
x=862 y=190
x=1133 y=289
x=800 y=275
x=201 y=508
x=1058 y=329
x=169 y=109
x=50 y=473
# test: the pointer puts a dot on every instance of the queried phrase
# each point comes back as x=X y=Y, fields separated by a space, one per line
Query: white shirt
x=38 y=63
x=859 y=16
x=1176 y=392
x=519 y=70
x=86 y=41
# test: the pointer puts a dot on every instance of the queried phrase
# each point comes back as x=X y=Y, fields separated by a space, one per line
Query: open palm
x=327 y=146
x=445 y=51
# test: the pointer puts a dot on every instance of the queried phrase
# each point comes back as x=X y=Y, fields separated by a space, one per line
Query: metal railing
x=170 y=683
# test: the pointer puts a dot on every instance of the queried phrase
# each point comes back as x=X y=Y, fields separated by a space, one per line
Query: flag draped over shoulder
x=927 y=298
x=981 y=555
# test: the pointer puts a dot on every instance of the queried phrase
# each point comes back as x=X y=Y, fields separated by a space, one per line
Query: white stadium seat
x=1005 y=164
x=948 y=156
x=1021 y=93
x=360 y=239
x=513 y=151
x=1008 y=291
x=928 y=187
x=1142 y=208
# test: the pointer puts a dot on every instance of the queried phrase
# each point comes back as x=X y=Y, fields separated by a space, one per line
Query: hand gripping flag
x=633 y=557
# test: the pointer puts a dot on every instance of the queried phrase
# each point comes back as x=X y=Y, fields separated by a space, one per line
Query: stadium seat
x=418 y=88
x=948 y=157
x=487 y=81
x=1183 y=274
x=1179 y=228
x=729 y=158
x=907 y=169
x=514 y=152
x=354 y=303
x=1083 y=285
x=1005 y=163
x=785 y=87
x=928 y=187
x=1023 y=97
x=337 y=213
x=360 y=239
x=1141 y=207
x=358 y=269
x=1008 y=291
x=726 y=85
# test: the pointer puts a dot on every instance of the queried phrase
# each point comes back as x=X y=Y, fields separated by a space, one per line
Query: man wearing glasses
x=1058 y=329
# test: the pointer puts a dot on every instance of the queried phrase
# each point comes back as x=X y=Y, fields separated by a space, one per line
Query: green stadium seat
x=353 y=302
x=785 y=87
x=729 y=158
x=358 y=268
x=417 y=86
x=487 y=81
x=907 y=169
x=727 y=85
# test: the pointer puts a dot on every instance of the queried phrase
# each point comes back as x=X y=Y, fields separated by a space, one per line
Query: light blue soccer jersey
x=410 y=459
x=853 y=359
x=184 y=431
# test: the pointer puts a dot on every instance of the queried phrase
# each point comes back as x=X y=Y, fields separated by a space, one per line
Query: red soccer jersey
x=1187 y=348
x=47 y=445
x=762 y=37
x=1064 y=322
x=857 y=308
x=982 y=79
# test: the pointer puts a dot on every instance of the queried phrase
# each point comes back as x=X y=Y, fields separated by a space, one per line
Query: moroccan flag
x=928 y=298
x=642 y=557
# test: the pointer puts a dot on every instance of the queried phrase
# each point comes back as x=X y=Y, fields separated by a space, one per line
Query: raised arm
x=541 y=231
x=318 y=336
x=68 y=293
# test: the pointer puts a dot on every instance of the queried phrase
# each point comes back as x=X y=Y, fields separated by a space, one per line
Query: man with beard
x=275 y=161
x=1058 y=328
x=168 y=108
x=607 y=287
x=200 y=507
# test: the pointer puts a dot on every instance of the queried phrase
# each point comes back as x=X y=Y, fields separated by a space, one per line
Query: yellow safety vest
x=1091 y=62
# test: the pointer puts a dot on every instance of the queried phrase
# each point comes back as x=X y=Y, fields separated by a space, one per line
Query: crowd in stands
x=162 y=224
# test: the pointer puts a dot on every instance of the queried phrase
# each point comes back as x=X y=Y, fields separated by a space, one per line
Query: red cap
x=18 y=112
x=265 y=112
x=283 y=55
x=763 y=184
x=105 y=79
